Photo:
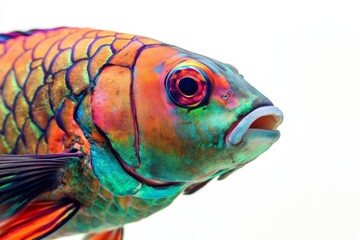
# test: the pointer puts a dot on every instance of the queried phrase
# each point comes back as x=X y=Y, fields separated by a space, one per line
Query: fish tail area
x=116 y=234
x=39 y=219
x=24 y=177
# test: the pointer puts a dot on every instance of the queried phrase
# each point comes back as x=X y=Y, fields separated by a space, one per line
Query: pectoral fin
x=116 y=234
x=39 y=220
x=24 y=177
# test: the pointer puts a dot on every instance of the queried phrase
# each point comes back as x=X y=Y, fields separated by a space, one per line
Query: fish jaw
x=263 y=120
x=252 y=135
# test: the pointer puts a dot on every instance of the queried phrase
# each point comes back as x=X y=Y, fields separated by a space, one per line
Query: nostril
x=265 y=122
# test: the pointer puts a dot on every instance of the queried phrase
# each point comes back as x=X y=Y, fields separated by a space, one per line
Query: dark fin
x=195 y=187
x=116 y=234
x=39 y=220
x=25 y=177
x=6 y=36
x=228 y=173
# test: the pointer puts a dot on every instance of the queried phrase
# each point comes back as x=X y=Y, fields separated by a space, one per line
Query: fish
x=99 y=129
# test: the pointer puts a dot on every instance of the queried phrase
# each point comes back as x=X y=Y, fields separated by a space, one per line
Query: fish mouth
x=267 y=118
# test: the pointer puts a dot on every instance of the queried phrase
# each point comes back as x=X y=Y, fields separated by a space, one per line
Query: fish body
x=123 y=123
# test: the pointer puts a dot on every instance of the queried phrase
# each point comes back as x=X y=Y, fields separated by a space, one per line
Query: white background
x=305 y=56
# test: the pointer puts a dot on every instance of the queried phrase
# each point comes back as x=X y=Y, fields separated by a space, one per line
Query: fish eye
x=188 y=86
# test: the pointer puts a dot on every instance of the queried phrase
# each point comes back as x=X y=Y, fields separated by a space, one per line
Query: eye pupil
x=188 y=86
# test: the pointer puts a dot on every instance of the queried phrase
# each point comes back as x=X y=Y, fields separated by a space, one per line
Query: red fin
x=24 y=177
x=39 y=219
x=116 y=234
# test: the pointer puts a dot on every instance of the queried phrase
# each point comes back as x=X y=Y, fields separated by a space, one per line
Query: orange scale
x=35 y=80
x=106 y=34
x=4 y=147
x=11 y=131
x=81 y=48
x=78 y=77
x=99 y=60
x=40 y=109
x=4 y=111
x=55 y=137
x=31 y=134
x=36 y=63
x=92 y=34
x=20 y=147
x=124 y=36
x=62 y=61
x=6 y=62
x=127 y=55
x=118 y=44
x=72 y=38
x=98 y=43
x=21 y=109
x=43 y=47
x=58 y=90
x=12 y=89
x=21 y=67
x=51 y=55
x=41 y=147
x=34 y=39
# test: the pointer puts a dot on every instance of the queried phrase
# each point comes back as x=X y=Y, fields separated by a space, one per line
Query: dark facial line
x=150 y=182
x=131 y=170
x=132 y=101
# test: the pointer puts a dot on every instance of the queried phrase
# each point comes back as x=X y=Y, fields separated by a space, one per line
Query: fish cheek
x=112 y=113
x=182 y=149
x=160 y=146
x=161 y=150
x=204 y=137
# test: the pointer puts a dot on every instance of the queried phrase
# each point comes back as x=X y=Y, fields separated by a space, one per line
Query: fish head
x=177 y=118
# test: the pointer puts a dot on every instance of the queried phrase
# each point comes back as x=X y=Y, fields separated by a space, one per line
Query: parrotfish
x=99 y=129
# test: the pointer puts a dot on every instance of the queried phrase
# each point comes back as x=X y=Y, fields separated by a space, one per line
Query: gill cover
x=115 y=159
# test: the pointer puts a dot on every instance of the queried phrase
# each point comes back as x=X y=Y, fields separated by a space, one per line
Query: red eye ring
x=188 y=86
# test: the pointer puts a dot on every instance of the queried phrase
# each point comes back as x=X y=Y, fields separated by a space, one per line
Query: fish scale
x=36 y=87
x=48 y=82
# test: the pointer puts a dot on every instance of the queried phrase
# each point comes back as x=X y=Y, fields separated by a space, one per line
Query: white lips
x=237 y=134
